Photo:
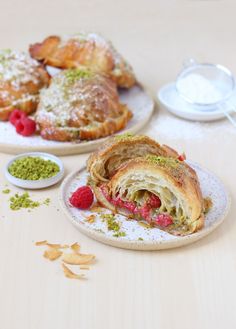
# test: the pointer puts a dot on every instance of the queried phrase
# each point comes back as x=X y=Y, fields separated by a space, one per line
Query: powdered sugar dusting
x=137 y=100
x=17 y=67
x=170 y=127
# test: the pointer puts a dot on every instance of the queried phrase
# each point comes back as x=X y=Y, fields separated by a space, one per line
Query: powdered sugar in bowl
x=205 y=86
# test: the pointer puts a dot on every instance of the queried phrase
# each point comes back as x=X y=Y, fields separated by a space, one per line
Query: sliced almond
x=41 y=243
x=146 y=225
x=90 y=219
x=75 y=247
x=96 y=208
x=84 y=267
x=52 y=253
x=69 y=274
x=57 y=245
x=77 y=259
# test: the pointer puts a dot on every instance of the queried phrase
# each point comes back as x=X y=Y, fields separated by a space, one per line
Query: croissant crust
x=86 y=49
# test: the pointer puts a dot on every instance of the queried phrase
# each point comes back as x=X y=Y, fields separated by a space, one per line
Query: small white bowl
x=35 y=184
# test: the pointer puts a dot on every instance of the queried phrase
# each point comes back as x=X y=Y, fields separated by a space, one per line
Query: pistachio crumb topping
x=73 y=75
x=33 y=168
x=124 y=136
x=163 y=161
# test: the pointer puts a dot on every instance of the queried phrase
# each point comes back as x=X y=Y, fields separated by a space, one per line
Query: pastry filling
x=148 y=206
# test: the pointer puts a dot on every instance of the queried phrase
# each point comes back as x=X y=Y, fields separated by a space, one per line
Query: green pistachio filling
x=33 y=168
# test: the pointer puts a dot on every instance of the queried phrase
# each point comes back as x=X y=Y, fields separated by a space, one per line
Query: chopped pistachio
x=119 y=234
x=6 y=191
x=33 y=168
x=163 y=161
x=124 y=136
x=73 y=75
x=22 y=201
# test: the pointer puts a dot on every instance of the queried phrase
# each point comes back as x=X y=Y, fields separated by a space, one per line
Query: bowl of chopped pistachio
x=34 y=170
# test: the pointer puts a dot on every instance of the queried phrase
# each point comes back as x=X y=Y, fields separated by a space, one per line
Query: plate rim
x=142 y=245
x=73 y=148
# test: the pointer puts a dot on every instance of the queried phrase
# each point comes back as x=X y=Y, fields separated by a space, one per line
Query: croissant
x=103 y=163
x=158 y=189
x=21 y=78
x=87 y=49
x=80 y=105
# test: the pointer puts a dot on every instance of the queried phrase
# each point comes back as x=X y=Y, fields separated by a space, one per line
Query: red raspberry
x=82 y=198
x=16 y=115
x=164 y=220
x=26 y=127
x=154 y=201
x=182 y=157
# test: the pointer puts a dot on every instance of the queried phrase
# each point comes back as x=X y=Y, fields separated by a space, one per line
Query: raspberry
x=164 y=220
x=182 y=157
x=154 y=201
x=26 y=127
x=82 y=198
x=16 y=115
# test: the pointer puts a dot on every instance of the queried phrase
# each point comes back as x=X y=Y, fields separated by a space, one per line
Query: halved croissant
x=162 y=191
x=103 y=163
x=138 y=178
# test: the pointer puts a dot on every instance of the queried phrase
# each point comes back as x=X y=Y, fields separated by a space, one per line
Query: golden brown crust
x=118 y=149
x=80 y=105
x=89 y=50
x=21 y=78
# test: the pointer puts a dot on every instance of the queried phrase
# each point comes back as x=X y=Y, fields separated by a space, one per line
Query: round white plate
x=174 y=103
x=35 y=184
x=137 y=99
x=138 y=237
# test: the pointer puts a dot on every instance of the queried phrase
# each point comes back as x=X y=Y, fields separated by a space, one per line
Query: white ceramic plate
x=35 y=184
x=174 y=103
x=138 y=237
x=137 y=99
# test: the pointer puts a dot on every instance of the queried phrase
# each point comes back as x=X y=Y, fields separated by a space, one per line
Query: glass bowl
x=214 y=77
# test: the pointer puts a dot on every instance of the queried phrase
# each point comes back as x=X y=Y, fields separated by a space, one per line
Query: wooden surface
x=191 y=287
